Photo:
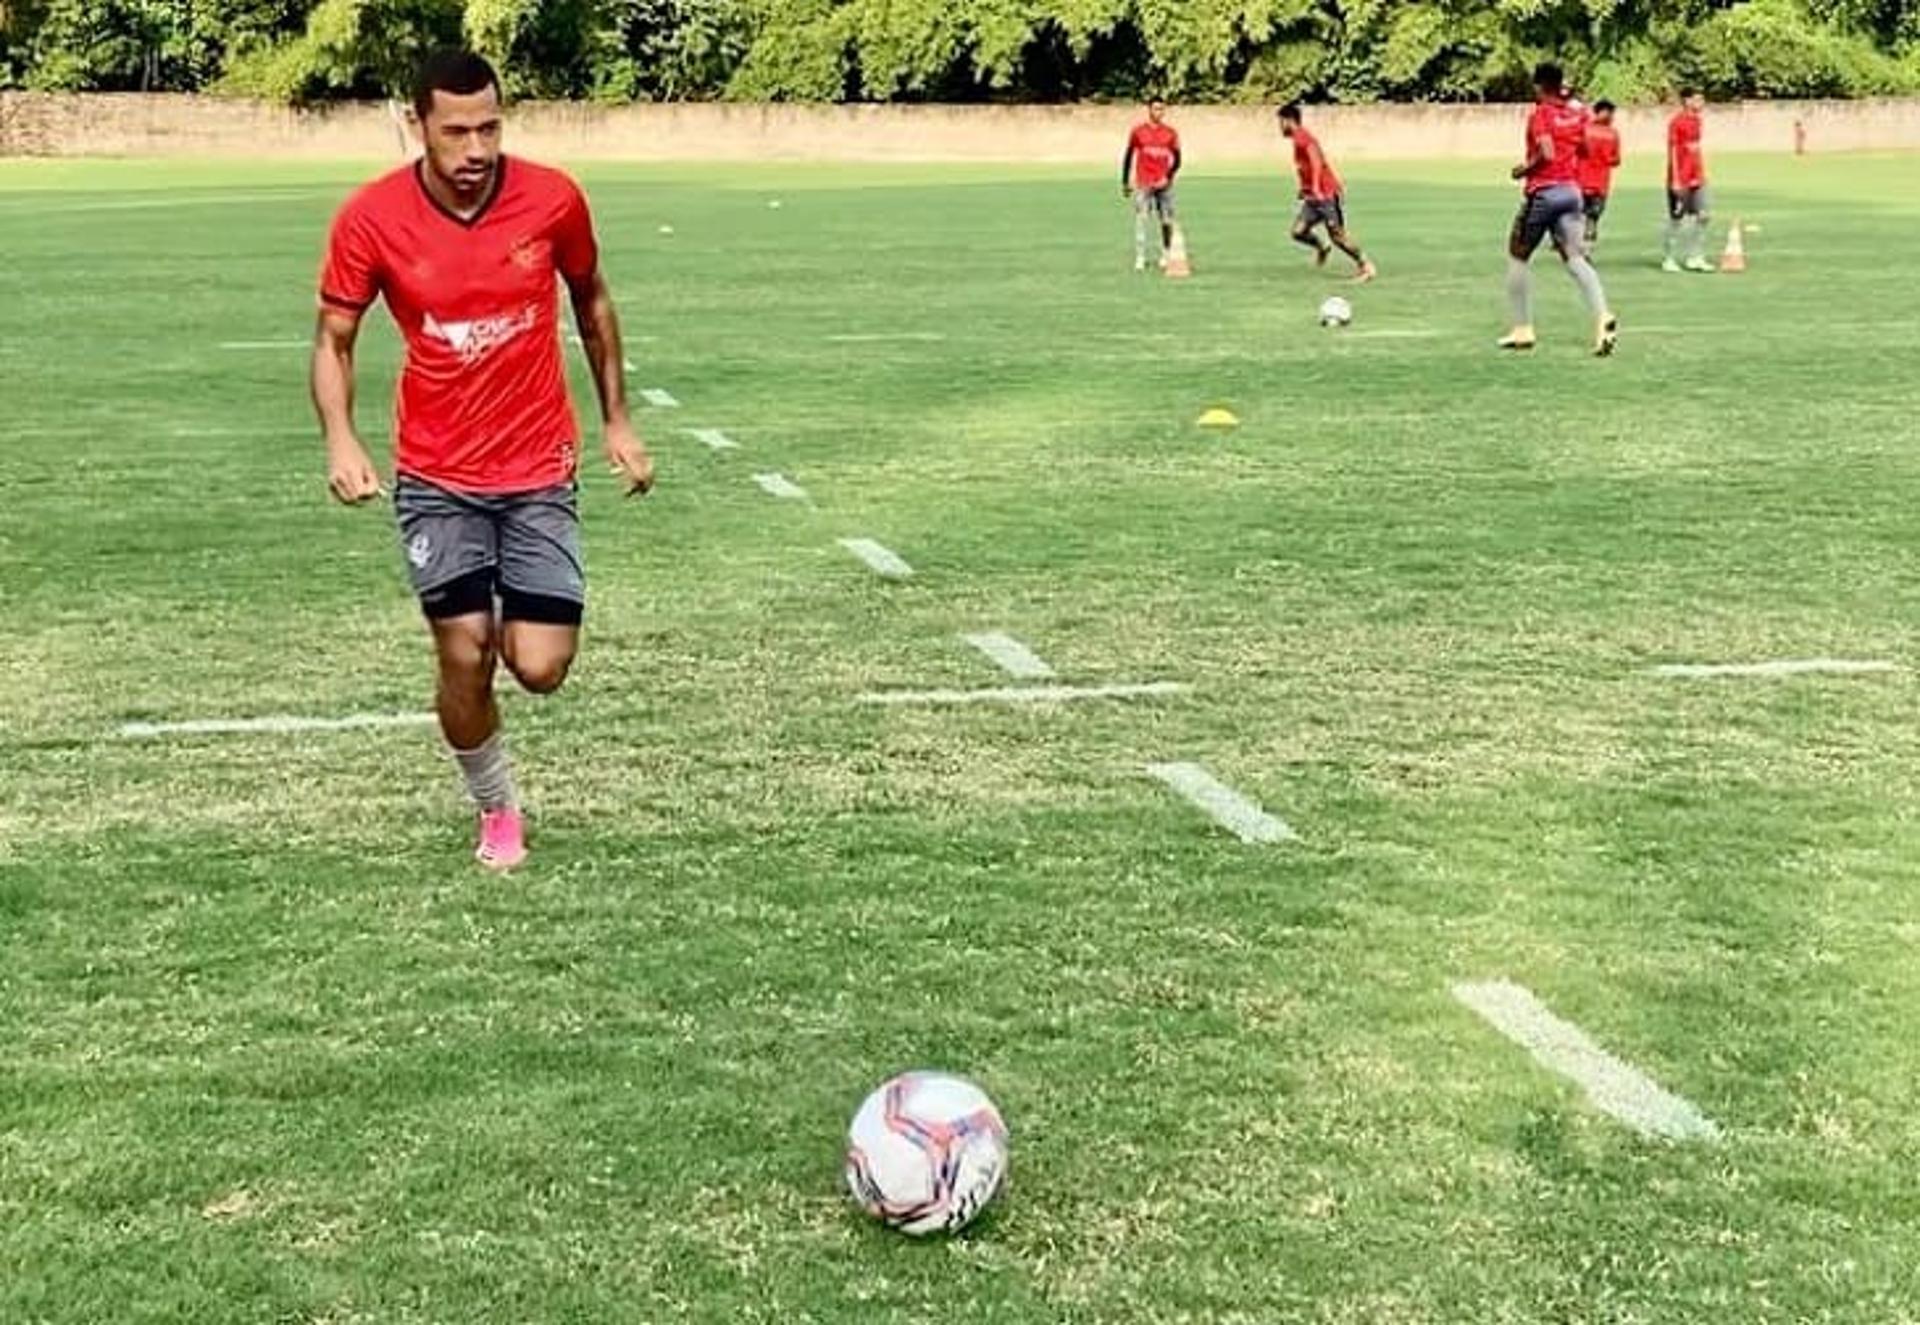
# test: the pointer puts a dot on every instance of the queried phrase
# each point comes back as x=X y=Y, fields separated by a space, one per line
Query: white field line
x=886 y=337
x=779 y=485
x=658 y=398
x=1054 y=694
x=1614 y=1087
x=31 y=208
x=274 y=726
x=1014 y=658
x=1778 y=667
x=630 y=365
x=879 y=559
x=1227 y=807
x=713 y=438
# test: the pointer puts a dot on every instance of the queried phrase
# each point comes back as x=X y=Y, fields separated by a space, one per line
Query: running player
x=1599 y=157
x=1322 y=202
x=1552 y=207
x=1686 y=186
x=1147 y=170
x=465 y=246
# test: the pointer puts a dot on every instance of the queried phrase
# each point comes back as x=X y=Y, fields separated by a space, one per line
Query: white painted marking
x=659 y=399
x=885 y=337
x=266 y=344
x=1389 y=333
x=1229 y=808
x=779 y=485
x=714 y=438
x=1015 y=658
x=1614 y=1087
x=881 y=560
x=630 y=365
x=1777 y=667
x=216 y=430
x=1055 y=694
x=273 y=726
x=148 y=204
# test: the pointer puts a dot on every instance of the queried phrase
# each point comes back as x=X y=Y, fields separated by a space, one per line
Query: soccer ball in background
x=1336 y=312
x=926 y=1153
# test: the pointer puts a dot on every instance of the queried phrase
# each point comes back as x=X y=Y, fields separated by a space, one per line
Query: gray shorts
x=1330 y=212
x=1159 y=202
x=1687 y=202
x=463 y=549
x=1558 y=211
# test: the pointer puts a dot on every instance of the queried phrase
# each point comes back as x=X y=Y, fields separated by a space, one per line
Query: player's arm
x=1539 y=154
x=1175 y=168
x=350 y=472
x=1126 y=169
x=599 y=325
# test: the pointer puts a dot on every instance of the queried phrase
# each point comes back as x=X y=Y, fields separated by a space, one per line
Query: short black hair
x=1549 y=77
x=1290 y=111
x=1688 y=90
x=460 y=72
x=1601 y=106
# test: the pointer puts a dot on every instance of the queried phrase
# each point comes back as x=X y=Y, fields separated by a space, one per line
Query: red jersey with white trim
x=482 y=404
x=1318 y=183
x=1599 y=158
x=1154 y=147
x=1565 y=122
x=1686 y=163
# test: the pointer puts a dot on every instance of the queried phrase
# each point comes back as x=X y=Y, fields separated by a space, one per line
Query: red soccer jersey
x=482 y=403
x=1318 y=183
x=1154 y=147
x=1565 y=122
x=1686 y=165
x=1598 y=159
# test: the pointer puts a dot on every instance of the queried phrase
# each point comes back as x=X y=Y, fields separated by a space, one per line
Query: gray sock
x=488 y=773
x=1520 y=291
x=1697 y=241
x=1673 y=236
x=1588 y=280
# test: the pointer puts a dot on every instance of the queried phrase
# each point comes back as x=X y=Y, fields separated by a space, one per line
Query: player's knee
x=543 y=673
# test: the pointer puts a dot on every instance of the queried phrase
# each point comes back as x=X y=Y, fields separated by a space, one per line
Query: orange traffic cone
x=1177 y=266
x=1735 y=258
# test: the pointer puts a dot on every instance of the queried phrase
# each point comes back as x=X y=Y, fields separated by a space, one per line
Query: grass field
x=271 y=1049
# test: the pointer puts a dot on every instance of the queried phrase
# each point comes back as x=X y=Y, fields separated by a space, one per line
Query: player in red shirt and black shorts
x=466 y=246
x=1687 y=186
x=1147 y=169
x=1550 y=175
x=1322 y=200
x=1599 y=158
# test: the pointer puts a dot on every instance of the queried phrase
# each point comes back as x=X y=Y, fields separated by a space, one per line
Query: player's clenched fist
x=351 y=476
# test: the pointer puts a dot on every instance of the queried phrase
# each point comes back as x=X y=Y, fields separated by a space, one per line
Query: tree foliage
x=970 y=50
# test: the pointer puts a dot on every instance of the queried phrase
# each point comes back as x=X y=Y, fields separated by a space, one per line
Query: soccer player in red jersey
x=1550 y=176
x=1322 y=201
x=465 y=245
x=1686 y=186
x=1147 y=169
x=1599 y=158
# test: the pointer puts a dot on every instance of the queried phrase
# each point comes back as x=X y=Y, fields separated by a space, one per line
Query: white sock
x=488 y=773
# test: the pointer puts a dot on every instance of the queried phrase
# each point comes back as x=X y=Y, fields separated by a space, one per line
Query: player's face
x=1287 y=127
x=1156 y=111
x=462 y=138
x=1696 y=103
x=1603 y=117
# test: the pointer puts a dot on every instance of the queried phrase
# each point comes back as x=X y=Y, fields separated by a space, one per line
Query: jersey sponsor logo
x=476 y=339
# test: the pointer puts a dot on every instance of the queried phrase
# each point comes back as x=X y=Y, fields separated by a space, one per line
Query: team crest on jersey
x=474 y=340
x=527 y=252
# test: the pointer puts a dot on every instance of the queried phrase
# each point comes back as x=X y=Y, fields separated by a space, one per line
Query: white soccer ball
x=926 y=1153
x=1336 y=312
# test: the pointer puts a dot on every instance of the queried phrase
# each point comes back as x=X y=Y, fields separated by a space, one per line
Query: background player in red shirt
x=465 y=246
x=1686 y=186
x=1599 y=157
x=1147 y=169
x=1552 y=206
x=1322 y=201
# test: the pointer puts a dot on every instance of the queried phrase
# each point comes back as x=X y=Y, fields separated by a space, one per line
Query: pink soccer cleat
x=503 y=839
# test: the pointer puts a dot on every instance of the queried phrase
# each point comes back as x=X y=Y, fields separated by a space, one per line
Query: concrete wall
x=134 y=125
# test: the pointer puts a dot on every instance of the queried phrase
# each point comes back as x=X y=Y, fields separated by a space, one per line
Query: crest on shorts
x=419 y=551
